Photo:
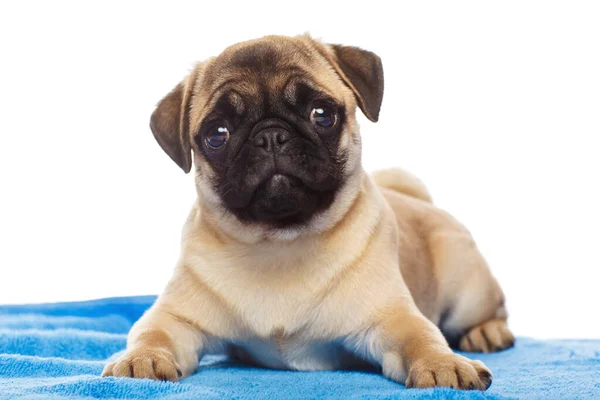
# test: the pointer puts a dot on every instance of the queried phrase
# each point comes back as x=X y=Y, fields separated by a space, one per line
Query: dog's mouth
x=282 y=198
x=279 y=197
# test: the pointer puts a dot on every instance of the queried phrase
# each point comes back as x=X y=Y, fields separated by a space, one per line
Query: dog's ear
x=169 y=124
x=362 y=71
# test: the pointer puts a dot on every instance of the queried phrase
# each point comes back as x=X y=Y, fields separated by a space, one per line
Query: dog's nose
x=271 y=139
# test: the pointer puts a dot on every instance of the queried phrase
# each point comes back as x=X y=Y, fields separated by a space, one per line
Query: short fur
x=367 y=271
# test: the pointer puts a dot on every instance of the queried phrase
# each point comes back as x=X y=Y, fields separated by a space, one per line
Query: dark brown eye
x=323 y=117
x=217 y=137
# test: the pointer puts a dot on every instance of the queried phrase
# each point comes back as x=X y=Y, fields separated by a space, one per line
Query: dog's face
x=271 y=124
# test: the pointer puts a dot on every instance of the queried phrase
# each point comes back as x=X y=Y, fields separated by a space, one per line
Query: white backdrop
x=496 y=106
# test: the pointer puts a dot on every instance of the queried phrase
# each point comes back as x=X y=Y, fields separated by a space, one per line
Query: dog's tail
x=402 y=181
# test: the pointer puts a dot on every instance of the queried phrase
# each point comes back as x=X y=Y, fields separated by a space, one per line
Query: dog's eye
x=323 y=117
x=217 y=137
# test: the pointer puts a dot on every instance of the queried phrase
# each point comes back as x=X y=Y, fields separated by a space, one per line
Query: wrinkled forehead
x=264 y=56
x=251 y=71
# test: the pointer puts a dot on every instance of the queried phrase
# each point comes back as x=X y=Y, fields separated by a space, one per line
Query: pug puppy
x=292 y=256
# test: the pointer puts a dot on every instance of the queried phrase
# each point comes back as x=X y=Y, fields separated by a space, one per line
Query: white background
x=495 y=105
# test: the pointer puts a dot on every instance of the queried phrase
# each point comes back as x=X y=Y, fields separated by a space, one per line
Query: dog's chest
x=262 y=300
x=291 y=314
x=291 y=333
x=284 y=326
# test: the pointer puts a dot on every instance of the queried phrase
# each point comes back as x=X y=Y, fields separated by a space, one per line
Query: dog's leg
x=412 y=350
x=475 y=318
x=490 y=336
x=160 y=346
x=474 y=324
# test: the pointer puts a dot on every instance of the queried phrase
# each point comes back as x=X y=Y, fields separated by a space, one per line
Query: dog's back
x=402 y=181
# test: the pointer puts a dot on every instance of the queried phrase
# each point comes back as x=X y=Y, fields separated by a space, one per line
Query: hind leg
x=474 y=329
x=473 y=326
x=475 y=317
x=488 y=337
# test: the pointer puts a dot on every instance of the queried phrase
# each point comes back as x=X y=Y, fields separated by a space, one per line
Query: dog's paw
x=488 y=337
x=145 y=362
x=449 y=370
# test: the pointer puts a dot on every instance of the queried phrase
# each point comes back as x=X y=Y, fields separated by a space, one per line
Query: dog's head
x=271 y=123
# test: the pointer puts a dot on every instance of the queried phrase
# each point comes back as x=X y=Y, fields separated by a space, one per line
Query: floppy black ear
x=169 y=124
x=362 y=71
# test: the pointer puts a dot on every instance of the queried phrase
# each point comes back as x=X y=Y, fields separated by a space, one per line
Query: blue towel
x=59 y=350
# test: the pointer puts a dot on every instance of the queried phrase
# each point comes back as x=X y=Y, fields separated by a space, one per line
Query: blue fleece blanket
x=59 y=350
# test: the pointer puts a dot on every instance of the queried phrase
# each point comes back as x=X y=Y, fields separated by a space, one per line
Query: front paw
x=145 y=362
x=450 y=370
